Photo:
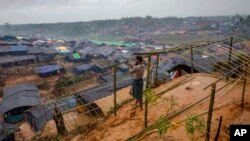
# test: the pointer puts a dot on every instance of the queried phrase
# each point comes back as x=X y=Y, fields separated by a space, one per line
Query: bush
x=44 y=85
x=67 y=81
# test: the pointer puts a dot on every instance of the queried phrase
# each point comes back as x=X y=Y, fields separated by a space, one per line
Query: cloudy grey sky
x=49 y=11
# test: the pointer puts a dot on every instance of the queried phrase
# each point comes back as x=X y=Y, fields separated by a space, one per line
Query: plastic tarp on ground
x=48 y=70
x=20 y=97
x=39 y=116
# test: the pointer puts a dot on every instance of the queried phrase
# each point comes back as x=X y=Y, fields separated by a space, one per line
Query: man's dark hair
x=139 y=58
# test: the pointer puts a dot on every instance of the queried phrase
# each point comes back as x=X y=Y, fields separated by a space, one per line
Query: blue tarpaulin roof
x=22 y=95
x=18 y=48
x=47 y=69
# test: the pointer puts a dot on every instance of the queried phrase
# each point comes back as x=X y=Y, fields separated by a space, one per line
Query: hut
x=49 y=70
x=83 y=69
x=75 y=57
x=123 y=68
x=9 y=61
x=62 y=50
x=38 y=116
x=17 y=99
x=13 y=50
x=86 y=58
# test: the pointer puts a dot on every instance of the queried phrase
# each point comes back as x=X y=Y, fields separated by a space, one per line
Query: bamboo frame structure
x=232 y=54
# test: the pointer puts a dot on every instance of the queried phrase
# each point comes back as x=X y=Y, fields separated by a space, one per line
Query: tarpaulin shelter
x=88 y=98
x=14 y=50
x=62 y=49
x=83 y=69
x=74 y=57
x=112 y=43
x=7 y=131
x=48 y=70
x=123 y=68
x=7 y=61
x=18 y=50
x=39 y=116
x=8 y=38
x=17 y=99
x=86 y=58
x=110 y=78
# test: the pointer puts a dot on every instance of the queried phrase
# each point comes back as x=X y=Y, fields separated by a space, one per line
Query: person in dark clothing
x=137 y=70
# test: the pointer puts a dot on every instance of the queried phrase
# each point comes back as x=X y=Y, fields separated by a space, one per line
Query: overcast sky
x=50 y=11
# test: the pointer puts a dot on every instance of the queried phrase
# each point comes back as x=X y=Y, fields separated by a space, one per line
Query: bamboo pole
x=218 y=130
x=197 y=115
x=225 y=75
x=230 y=54
x=192 y=59
x=210 y=112
x=115 y=104
x=156 y=68
x=146 y=101
x=244 y=88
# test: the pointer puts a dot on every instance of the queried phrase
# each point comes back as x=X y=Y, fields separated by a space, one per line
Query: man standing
x=137 y=70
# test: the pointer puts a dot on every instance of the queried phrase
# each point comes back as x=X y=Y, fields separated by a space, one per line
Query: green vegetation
x=194 y=125
x=112 y=43
x=118 y=106
x=150 y=95
x=163 y=127
x=171 y=103
x=67 y=81
x=44 y=85
x=182 y=39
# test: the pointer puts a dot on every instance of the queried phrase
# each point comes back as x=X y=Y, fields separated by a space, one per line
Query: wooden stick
x=210 y=112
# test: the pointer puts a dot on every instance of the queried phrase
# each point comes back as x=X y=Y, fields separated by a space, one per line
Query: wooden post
x=210 y=111
x=115 y=104
x=218 y=130
x=244 y=87
x=192 y=60
x=230 y=54
x=146 y=101
x=156 y=68
x=58 y=118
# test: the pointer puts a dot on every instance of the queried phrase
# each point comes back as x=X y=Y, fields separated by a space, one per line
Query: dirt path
x=130 y=121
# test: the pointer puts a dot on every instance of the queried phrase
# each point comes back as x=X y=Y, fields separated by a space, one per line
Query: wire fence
x=95 y=103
